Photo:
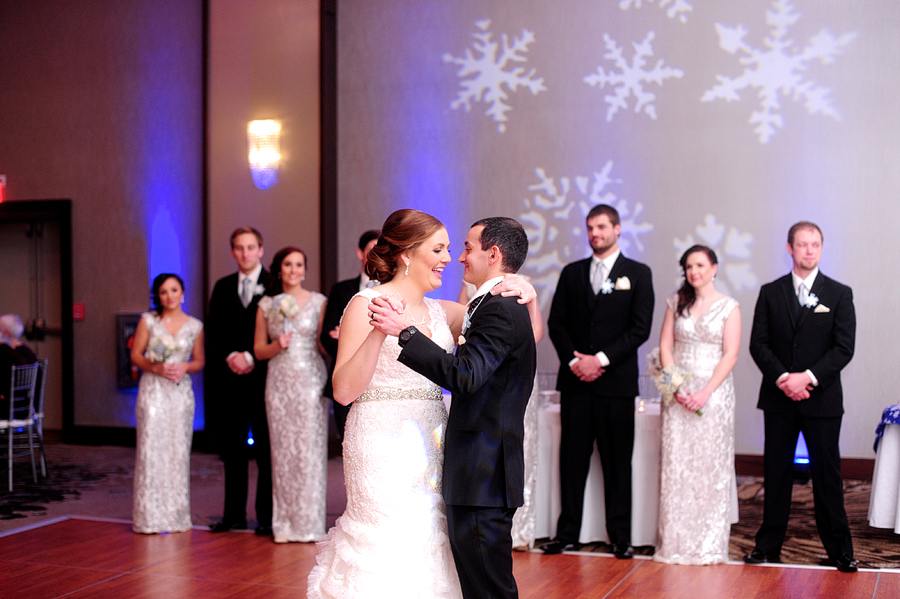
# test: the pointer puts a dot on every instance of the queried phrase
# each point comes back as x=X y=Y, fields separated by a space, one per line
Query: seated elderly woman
x=12 y=351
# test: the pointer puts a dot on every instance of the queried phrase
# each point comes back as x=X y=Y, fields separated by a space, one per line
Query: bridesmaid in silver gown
x=168 y=345
x=701 y=334
x=288 y=323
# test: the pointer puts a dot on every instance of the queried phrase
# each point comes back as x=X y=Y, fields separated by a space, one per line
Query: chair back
x=41 y=388
x=21 y=394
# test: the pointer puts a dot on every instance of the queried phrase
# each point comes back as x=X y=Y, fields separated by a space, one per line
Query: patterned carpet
x=97 y=481
x=874 y=547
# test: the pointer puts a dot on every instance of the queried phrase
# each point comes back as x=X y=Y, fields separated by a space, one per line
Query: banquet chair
x=39 y=412
x=21 y=416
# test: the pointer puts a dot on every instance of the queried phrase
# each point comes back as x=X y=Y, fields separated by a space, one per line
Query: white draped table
x=883 y=502
x=645 y=479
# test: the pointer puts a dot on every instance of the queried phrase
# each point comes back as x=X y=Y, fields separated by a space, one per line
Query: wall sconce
x=265 y=152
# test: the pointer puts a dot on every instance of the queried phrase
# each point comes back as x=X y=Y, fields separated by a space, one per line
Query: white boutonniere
x=623 y=284
x=811 y=301
x=606 y=287
x=821 y=309
x=259 y=290
x=461 y=340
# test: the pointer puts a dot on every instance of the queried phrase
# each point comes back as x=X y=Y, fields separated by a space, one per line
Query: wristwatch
x=406 y=334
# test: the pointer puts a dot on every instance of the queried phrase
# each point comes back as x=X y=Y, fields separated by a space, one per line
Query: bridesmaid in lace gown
x=701 y=334
x=288 y=323
x=168 y=344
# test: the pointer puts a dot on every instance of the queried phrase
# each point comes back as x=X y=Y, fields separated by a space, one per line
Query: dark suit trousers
x=608 y=421
x=821 y=435
x=481 y=539
x=246 y=413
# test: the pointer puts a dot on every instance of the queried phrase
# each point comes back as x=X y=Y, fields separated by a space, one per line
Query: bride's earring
x=407 y=269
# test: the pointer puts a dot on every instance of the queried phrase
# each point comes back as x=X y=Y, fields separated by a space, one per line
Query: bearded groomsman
x=600 y=315
x=803 y=335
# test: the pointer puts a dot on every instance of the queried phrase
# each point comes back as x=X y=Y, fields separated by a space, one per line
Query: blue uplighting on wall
x=166 y=151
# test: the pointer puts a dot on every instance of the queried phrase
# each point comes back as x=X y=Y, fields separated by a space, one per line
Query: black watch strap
x=406 y=334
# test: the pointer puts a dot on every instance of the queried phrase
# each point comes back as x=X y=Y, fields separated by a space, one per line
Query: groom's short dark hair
x=508 y=235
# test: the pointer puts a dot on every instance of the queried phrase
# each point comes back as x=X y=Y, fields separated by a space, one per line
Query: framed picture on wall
x=128 y=374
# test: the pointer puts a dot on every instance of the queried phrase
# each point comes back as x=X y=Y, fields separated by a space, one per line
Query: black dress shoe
x=623 y=550
x=758 y=556
x=224 y=526
x=263 y=531
x=846 y=563
x=557 y=546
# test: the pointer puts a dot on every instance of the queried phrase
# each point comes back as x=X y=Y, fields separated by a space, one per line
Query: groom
x=491 y=377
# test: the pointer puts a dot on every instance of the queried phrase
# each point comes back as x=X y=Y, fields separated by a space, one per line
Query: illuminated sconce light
x=263 y=138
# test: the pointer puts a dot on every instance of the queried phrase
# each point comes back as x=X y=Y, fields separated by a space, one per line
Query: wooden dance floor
x=78 y=557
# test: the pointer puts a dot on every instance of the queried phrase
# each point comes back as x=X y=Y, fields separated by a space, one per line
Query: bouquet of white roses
x=160 y=349
x=286 y=305
x=669 y=379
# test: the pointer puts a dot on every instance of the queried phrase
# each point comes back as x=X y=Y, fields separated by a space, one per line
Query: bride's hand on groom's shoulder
x=515 y=285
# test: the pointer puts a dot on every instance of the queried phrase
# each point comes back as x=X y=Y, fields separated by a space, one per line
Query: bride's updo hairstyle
x=403 y=231
x=687 y=295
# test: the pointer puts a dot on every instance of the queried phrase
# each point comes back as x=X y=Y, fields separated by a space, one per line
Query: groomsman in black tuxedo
x=236 y=383
x=491 y=377
x=341 y=294
x=600 y=315
x=803 y=335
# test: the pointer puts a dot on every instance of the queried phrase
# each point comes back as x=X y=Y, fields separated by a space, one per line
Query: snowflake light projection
x=732 y=251
x=483 y=77
x=629 y=80
x=777 y=70
x=676 y=8
x=554 y=219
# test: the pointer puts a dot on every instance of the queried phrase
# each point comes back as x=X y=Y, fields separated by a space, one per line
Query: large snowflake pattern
x=554 y=218
x=485 y=72
x=629 y=80
x=675 y=9
x=732 y=250
x=778 y=70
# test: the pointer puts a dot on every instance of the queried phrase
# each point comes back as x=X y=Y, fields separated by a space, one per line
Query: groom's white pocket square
x=623 y=283
x=822 y=308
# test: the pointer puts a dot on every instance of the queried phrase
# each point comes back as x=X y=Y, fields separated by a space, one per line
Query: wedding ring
x=371 y=315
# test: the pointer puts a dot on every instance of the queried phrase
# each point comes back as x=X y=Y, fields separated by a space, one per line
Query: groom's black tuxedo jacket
x=616 y=323
x=819 y=339
x=491 y=378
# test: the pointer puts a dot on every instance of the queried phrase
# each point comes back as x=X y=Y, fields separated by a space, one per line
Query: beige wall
x=101 y=102
x=264 y=64
x=686 y=171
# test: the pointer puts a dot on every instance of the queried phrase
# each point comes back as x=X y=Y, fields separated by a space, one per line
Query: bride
x=392 y=539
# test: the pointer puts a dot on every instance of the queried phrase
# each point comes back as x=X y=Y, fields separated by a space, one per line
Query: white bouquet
x=669 y=379
x=286 y=305
x=160 y=349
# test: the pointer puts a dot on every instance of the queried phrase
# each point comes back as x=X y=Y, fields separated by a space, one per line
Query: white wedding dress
x=392 y=539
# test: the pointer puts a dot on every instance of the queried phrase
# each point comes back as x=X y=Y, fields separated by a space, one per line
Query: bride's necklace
x=418 y=323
